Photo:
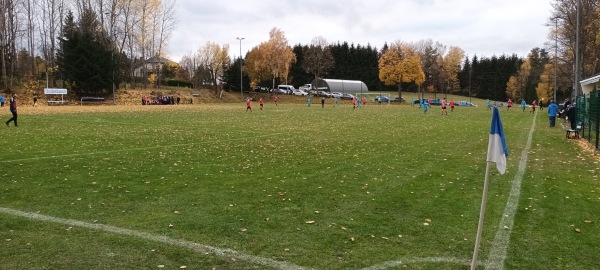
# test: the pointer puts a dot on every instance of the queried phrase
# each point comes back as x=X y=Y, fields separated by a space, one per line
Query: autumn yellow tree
x=279 y=55
x=515 y=87
x=214 y=58
x=545 y=87
x=399 y=64
x=255 y=65
x=451 y=66
x=274 y=56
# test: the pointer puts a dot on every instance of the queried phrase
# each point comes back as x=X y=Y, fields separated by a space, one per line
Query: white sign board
x=55 y=91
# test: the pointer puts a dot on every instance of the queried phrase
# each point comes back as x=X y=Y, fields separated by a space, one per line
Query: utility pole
x=576 y=87
x=555 y=54
x=241 y=77
x=112 y=56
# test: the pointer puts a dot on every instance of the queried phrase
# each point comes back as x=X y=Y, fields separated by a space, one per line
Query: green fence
x=588 y=113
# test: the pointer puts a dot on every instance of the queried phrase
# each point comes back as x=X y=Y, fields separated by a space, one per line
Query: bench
x=93 y=99
x=57 y=102
x=574 y=131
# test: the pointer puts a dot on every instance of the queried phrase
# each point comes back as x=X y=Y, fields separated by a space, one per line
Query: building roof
x=342 y=86
x=588 y=85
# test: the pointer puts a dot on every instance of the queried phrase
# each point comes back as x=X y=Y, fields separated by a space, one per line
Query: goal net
x=372 y=98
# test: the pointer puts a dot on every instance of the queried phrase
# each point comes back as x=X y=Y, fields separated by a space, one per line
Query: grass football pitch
x=290 y=187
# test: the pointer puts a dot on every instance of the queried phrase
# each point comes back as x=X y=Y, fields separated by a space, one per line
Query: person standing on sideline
x=323 y=103
x=34 y=100
x=336 y=102
x=379 y=100
x=552 y=112
x=489 y=104
x=260 y=101
x=2 y=100
x=248 y=105
x=509 y=104
x=572 y=116
x=541 y=104
x=308 y=101
x=420 y=103
x=276 y=100
x=13 y=110
x=532 y=107
x=444 y=107
x=452 y=105
x=412 y=102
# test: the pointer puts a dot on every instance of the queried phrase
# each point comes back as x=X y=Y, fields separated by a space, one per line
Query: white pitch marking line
x=221 y=252
x=497 y=255
x=403 y=262
x=132 y=149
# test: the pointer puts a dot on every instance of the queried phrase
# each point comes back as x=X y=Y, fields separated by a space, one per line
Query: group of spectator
x=161 y=100
x=568 y=111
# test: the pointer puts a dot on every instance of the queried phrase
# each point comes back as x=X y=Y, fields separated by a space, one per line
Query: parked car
x=336 y=95
x=287 y=89
x=399 y=100
x=383 y=99
x=279 y=91
x=298 y=92
x=348 y=96
x=306 y=87
x=323 y=94
x=465 y=104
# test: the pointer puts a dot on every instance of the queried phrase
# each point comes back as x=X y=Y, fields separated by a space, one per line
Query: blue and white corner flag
x=497 y=150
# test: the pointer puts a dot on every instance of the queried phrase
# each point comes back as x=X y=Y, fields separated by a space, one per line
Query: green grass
x=250 y=182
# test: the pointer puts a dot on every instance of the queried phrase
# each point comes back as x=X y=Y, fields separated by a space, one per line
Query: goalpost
x=371 y=97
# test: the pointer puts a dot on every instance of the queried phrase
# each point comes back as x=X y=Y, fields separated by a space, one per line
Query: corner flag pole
x=497 y=153
x=481 y=215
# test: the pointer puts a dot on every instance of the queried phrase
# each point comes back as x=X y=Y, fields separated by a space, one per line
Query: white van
x=286 y=89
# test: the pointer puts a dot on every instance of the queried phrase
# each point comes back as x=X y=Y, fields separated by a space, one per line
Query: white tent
x=341 y=86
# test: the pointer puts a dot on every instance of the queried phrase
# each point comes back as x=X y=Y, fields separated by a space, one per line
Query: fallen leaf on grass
x=588 y=221
x=577 y=230
x=310 y=222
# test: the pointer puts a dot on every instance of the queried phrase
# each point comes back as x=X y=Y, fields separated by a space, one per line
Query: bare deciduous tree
x=318 y=59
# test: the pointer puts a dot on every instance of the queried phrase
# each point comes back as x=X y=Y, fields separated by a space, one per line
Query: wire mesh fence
x=588 y=113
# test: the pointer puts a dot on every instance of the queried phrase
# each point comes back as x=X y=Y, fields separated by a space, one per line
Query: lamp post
x=555 y=53
x=470 y=72
x=577 y=53
x=241 y=77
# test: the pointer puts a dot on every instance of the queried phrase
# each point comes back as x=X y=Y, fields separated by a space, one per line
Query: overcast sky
x=481 y=27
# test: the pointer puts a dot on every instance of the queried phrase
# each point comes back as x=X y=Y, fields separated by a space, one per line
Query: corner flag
x=497 y=150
